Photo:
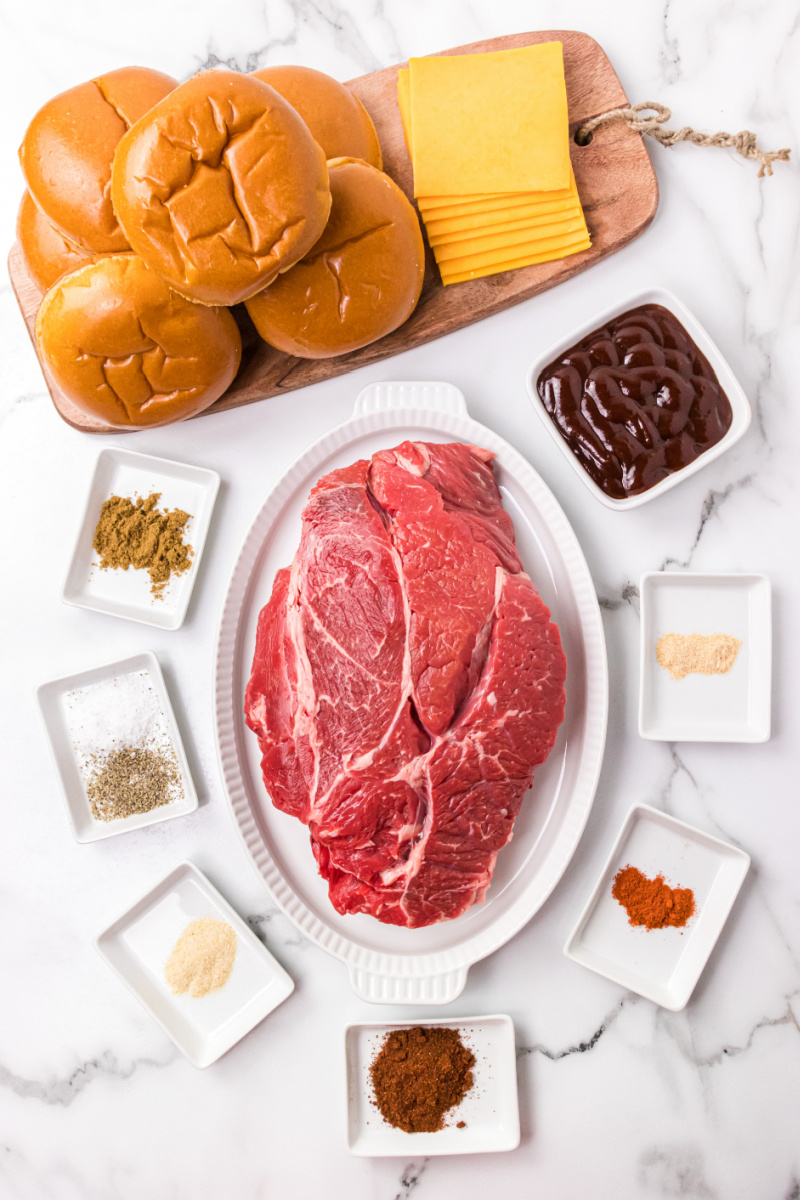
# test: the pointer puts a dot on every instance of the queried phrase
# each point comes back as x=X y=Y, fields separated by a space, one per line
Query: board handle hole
x=582 y=139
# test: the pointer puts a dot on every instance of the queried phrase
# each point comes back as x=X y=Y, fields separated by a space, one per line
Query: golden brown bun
x=337 y=119
x=47 y=254
x=361 y=280
x=68 y=147
x=220 y=187
x=127 y=350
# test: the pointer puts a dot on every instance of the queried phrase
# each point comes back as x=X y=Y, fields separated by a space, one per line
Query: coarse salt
x=120 y=712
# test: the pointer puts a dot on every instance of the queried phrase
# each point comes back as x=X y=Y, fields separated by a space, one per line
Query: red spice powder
x=652 y=902
x=419 y=1074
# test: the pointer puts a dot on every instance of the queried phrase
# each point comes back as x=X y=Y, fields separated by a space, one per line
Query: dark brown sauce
x=635 y=401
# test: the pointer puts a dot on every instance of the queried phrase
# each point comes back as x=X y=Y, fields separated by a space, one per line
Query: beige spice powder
x=139 y=535
x=202 y=958
x=684 y=654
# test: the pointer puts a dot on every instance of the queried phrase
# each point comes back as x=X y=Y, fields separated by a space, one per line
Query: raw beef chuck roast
x=407 y=680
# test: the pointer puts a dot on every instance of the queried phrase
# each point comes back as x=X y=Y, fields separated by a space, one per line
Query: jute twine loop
x=743 y=143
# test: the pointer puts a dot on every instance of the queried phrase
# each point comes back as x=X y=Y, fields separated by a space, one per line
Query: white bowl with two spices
x=638 y=398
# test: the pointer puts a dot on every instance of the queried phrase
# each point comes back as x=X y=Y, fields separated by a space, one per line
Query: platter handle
x=397 y=989
x=382 y=397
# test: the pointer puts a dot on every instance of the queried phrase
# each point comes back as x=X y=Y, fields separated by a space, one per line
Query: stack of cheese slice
x=488 y=137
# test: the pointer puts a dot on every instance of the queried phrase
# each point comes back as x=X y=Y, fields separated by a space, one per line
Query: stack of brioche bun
x=48 y=254
x=336 y=118
x=151 y=208
x=221 y=187
x=69 y=146
x=143 y=353
x=359 y=281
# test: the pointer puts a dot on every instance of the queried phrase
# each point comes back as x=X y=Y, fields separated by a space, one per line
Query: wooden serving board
x=617 y=187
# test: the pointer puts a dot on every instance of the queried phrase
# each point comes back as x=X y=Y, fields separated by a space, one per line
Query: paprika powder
x=652 y=902
x=420 y=1074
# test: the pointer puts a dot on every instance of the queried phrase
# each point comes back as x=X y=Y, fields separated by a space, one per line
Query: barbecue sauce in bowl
x=635 y=401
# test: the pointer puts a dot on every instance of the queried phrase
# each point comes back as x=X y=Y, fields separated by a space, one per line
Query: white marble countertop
x=619 y=1099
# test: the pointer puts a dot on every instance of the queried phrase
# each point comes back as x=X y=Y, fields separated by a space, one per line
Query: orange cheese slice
x=432 y=202
x=404 y=104
x=488 y=258
x=495 y=204
x=436 y=203
x=483 y=201
x=488 y=123
x=458 y=228
x=526 y=238
x=459 y=206
x=526 y=260
x=462 y=220
x=444 y=207
x=483 y=233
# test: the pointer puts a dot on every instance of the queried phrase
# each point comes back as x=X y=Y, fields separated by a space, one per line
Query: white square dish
x=136 y=947
x=740 y=405
x=127 y=593
x=662 y=965
x=735 y=707
x=490 y=1110
x=52 y=706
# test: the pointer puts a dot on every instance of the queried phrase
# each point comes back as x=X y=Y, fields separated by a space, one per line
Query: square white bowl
x=127 y=593
x=706 y=708
x=490 y=1109
x=136 y=947
x=740 y=405
x=84 y=825
x=659 y=964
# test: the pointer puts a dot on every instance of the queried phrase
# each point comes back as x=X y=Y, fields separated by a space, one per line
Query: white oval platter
x=388 y=964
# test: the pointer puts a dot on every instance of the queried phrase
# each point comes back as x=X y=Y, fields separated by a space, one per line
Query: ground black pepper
x=133 y=779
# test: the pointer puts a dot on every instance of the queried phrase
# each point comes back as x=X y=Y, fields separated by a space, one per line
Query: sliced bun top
x=69 y=146
x=360 y=281
x=220 y=187
x=127 y=350
x=47 y=253
x=337 y=119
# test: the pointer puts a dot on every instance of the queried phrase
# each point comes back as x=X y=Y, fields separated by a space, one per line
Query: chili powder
x=652 y=902
x=418 y=1075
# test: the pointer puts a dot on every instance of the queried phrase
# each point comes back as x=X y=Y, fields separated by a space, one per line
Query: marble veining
x=411 y=1178
x=670 y=54
x=274 y=921
x=64 y=1092
x=584 y=1046
x=710 y=508
x=619 y=1100
x=628 y=594
x=328 y=21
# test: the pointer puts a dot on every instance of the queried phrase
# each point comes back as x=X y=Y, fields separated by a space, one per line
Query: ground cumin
x=138 y=535
x=652 y=902
x=418 y=1075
